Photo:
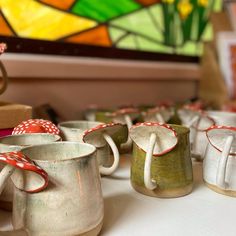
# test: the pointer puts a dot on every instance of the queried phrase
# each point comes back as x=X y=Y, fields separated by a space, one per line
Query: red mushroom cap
x=3 y=47
x=22 y=162
x=166 y=137
x=36 y=126
x=95 y=137
x=217 y=136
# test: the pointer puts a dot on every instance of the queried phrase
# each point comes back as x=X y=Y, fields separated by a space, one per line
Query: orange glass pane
x=4 y=28
x=61 y=4
x=147 y=2
x=98 y=36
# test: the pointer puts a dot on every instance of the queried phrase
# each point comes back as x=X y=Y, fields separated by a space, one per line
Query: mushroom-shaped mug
x=161 y=164
x=72 y=204
x=27 y=176
x=16 y=143
x=126 y=116
x=4 y=76
x=198 y=122
x=219 y=165
x=75 y=131
x=102 y=135
x=158 y=114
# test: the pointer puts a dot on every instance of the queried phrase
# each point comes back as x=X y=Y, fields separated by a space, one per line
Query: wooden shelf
x=30 y=66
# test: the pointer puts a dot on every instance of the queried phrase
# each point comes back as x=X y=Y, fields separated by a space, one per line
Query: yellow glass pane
x=32 y=19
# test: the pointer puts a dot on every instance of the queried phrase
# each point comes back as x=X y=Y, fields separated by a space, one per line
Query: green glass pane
x=141 y=23
x=190 y=49
x=103 y=10
x=115 y=34
x=157 y=13
x=127 y=43
x=218 y=5
x=147 y=45
x=208 y=33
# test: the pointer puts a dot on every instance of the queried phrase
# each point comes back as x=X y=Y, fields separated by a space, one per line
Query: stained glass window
x=156 y=26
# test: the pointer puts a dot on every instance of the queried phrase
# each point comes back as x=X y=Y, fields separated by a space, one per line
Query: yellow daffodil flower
x=203 y=3
x=184 y=8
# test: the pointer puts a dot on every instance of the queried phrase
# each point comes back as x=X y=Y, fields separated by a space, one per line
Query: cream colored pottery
x=72 y=204
x=219 y=165
x=15 y=143
x=75 y=130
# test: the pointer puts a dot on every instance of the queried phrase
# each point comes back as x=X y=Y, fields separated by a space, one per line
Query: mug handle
x=4 y=78
x=109 y=170
x=129 y=124
x=160 y=118
x=221 y=169
x=149 y=183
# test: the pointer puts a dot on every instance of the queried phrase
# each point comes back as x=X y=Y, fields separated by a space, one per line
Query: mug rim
x=61 y=143
x=220 y=113
x=11 y=136
x=66 y=124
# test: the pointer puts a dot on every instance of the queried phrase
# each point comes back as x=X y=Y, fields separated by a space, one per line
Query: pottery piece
x=15 y=163
x=103 y=134
x=158 y=114
x=124 y=116
x=161 y=164
x=16 y=143
x=72 y=204
x=219 y=172
x=198 y=122
x=205 y=121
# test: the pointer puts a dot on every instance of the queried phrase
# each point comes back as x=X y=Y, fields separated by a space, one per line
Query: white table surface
x=201 y=213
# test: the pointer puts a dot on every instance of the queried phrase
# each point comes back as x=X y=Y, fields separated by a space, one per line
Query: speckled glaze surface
x=74 y=131
x=172 y=171
x=16 y=143
x=73 y=203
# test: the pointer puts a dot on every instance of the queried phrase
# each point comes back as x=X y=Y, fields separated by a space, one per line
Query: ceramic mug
x=161 y=164
x=204 y=122
x=219 y=165
x=124 y=116
x=15 y=143
x=100 y=138
x=72 y=203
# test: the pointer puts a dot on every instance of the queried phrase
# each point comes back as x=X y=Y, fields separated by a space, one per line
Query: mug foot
x=216 y=189
x=92 y=232
x=168 y=193
x=7 y=206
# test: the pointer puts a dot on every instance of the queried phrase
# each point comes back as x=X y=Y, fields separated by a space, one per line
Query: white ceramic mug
x=199 y=138
x=16 y=143
x=72 y=203
x=74 y=131
x=219 y=165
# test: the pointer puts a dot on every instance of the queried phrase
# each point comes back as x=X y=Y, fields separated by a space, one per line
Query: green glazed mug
x=161 y=163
